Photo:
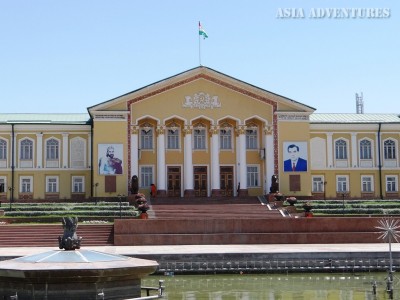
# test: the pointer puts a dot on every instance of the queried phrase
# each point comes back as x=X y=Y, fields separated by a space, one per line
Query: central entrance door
x=226 y=181
x=200 y=181
x=174 y=181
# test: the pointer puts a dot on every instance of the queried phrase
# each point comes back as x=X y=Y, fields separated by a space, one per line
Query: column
x=329 y=150
x=39 y=152
x=134 y=151
x=242 y=161
x=354 y=148
x=215 y=174
x=188 y=181
x=161 y=176
x=269 y=156
x=64 y=163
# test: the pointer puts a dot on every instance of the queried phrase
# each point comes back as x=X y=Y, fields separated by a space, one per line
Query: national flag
x=202 y=32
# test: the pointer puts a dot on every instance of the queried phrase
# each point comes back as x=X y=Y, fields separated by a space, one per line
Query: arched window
x=199 y=137
x=225 y=135
x=146 y=137
x=3 y=149
x=251 y=138
x=52 y=149
x=389 y=149
x=26 y=149
x=341 y=149
x=365 y=149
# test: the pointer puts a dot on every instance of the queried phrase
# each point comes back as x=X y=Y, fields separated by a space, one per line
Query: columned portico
x=135 y=151
x=161 y=171
x=242 y=161
x=215 y=174
x=188 y=159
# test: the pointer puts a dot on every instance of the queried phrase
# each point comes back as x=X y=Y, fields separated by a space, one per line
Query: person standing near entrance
x=295 y=163
x=153 y=191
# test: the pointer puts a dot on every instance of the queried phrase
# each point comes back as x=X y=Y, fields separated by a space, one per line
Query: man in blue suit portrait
x=294 y=163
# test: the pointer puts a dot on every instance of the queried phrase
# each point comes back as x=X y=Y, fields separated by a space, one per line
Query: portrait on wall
x=110 y=159
x=295 y=156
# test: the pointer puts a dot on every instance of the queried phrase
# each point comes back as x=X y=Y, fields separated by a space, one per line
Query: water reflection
x=275 y=286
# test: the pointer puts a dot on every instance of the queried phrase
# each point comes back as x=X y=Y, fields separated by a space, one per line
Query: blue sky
x=64 y=56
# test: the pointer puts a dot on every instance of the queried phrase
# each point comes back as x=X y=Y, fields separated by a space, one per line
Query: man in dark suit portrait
x=294 y=163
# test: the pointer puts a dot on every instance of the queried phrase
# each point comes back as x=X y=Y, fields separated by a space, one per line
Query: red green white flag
x=202 y=32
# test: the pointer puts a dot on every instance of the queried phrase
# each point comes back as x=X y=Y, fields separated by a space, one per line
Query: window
x=26 y=183
x=199 y=138
x=146 y=138
x=391 y=183
x=389 y=149
x=3 y=184
x=51 y=184
x=173 y=139
x=252 y=176
x=26 y=149
x=146 y=176
x=52 y=149
x=365 y=149
x=3 y=149
x=226 y=138
x=318 y=184
x=366 y=184
x=78 y=152
x=341 y=149
x=78 y=184
x=341 y=184
x=251 y=138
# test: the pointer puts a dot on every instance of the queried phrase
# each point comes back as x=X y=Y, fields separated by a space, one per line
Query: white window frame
x=52 y=155
x=22 y=184
x=173 y=139
x=3 y=149
x=75 y=182
x=342 y=183
x=318 y=185
x=392 y=152
x=199 y=139
x=52 y=184
x=3 y=179
x=26 y=162
x=147 y=137
x=391 y=183
x=146 y=178
x=253 y=176
x=367 y=183
x=225 y=138
x=363 y=147
x=252 y=138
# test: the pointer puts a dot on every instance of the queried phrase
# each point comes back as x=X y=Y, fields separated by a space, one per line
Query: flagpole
x=199 y=46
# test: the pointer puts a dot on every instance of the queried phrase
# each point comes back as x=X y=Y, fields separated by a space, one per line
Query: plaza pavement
x=214 y=249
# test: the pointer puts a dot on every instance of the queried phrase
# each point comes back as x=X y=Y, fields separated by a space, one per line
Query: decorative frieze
x=201 y=100
x=293 y=117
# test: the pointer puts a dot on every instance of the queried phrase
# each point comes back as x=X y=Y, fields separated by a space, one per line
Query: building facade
x=199 y=133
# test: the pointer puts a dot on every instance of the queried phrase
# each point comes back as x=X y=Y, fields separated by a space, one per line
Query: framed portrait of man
x=110 y=159
x=295 y=156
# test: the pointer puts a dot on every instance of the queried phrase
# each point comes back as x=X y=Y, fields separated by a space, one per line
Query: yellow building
x=199 y=133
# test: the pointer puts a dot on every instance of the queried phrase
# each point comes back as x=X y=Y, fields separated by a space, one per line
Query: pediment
x=201 y=88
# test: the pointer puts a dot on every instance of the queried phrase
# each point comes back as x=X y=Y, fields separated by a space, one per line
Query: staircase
x=47 y=235
x=213 y=208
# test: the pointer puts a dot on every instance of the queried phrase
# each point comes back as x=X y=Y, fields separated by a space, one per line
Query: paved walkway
x=217 y=249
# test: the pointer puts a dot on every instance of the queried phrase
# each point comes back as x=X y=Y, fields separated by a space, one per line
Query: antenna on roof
x=359 y=103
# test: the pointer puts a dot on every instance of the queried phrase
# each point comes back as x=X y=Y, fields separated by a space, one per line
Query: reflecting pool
x=332 y=286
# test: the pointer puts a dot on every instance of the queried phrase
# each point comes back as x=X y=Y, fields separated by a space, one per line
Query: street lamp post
x=11 y=189
x=343 y=195
x=120 y=205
